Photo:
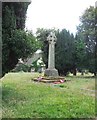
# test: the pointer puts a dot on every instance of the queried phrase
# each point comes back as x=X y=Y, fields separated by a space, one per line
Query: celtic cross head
x=52 y=38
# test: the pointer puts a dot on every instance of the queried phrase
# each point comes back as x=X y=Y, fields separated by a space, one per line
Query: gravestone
x=51 y=71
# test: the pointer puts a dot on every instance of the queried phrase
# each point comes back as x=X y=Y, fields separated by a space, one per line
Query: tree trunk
x=74 y=71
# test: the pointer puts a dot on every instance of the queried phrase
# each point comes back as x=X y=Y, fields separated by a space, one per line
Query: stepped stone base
x=46 y=81
x=49 y=79
x=51 y=72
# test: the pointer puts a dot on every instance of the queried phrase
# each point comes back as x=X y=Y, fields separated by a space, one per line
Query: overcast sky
x=56 y=13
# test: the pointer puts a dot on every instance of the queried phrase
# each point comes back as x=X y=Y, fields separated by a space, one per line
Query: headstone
x=51 y=71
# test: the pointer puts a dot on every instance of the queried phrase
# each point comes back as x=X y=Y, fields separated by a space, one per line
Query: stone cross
x=51 y=71
x=51 y=58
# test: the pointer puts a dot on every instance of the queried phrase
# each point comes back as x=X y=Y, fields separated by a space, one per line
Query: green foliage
x=35 y=66
x=19 y=45
x=80 y=52
x=8 y=25
x=87 y=29
x=19 y=9
x=33 y=41
x=22 y=98
x=16 y=42
x=64 y=51
x=21 y=67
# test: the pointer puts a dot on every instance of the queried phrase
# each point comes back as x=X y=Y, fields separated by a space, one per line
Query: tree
x=20 y=45
x=16 y=42
x=87 y=29
x=96 y=38
x=80 y=53
x=64 y=52
x=18 y=9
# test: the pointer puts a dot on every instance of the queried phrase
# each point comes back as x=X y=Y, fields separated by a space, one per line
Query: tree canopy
x=17 y=43
x=88 y=31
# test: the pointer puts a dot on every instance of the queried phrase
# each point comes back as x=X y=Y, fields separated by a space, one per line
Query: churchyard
x=50 y=73
x=48 y=94
x=24 y=98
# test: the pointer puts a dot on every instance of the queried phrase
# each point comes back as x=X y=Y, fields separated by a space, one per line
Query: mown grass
x=23 y=98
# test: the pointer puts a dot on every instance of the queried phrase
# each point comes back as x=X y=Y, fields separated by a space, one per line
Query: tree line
x=77 y=52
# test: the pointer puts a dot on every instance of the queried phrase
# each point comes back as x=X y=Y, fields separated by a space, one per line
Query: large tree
x=16 y=42
x=64 y=52
x=80 y=52
x=87 y=29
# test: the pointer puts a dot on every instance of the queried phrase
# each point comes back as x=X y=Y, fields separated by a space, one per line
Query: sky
x=56 y=14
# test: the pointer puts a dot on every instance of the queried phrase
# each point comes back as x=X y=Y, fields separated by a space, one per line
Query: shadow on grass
x=10 y=94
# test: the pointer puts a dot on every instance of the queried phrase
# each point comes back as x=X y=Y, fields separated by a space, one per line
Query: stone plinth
x=51 y=72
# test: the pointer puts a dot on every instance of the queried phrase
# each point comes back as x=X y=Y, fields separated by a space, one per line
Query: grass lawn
x=23 y=98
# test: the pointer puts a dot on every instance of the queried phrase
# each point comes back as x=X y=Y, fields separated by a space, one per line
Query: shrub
x=21 y=67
